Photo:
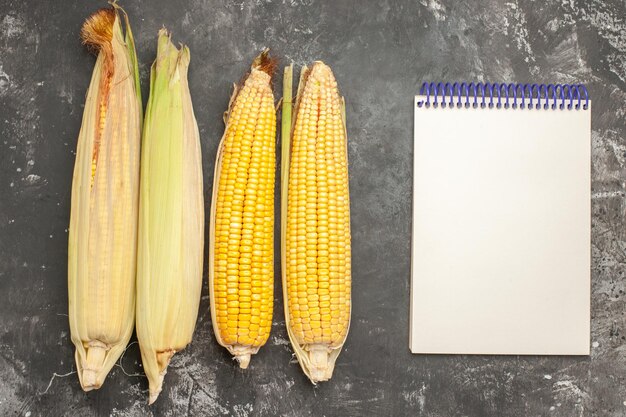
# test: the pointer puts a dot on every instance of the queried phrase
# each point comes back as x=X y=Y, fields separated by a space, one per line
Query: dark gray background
x=380 y=51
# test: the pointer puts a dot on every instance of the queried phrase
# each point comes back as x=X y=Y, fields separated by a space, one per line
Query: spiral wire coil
x=499 y=95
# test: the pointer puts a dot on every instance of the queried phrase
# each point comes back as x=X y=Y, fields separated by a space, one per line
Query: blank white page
x=501 y=231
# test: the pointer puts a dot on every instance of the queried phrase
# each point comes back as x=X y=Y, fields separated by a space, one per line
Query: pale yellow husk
x=103 y=220
x=171 y=219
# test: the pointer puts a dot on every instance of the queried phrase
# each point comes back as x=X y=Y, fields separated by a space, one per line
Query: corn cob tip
x=321 y=368
x=89 y=380
x=265 y=63
x=155 y=387
x=91 y=365
x=156 y=375
x=244 y=360
x=153 y=397
x=320 y=69
x=243 y=354
x=97 y=31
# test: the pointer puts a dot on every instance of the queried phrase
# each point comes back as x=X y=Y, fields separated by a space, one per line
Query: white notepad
x=501 y=229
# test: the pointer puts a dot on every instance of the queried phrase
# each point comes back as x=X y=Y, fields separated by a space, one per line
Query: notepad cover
x=501 y=231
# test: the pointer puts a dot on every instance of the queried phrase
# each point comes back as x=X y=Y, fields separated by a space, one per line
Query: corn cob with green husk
x=105 y=187
x=315 y=221
x=241 y=261
x=171 y=216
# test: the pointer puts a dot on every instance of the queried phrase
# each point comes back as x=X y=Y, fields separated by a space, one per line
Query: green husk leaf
x=171 y=221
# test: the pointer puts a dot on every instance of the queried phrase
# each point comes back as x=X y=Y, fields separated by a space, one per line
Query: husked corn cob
x=316 y=222
x=103 y=220
x=241 y=261
x=171 y=216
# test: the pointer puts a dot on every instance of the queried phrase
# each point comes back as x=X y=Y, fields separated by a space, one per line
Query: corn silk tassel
x=171 y=219
x=316 y=268
x=105 y=187
x=241 y=260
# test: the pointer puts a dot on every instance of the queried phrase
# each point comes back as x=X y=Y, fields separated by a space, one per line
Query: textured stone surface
x=380 y=51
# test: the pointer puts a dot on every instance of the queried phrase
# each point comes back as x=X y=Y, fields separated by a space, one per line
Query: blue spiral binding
x=538 y=96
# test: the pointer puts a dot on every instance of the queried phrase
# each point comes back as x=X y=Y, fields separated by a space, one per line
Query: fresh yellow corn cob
x=241 y=261
x=316 y=221
x=103 y=220
x=171 y=216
